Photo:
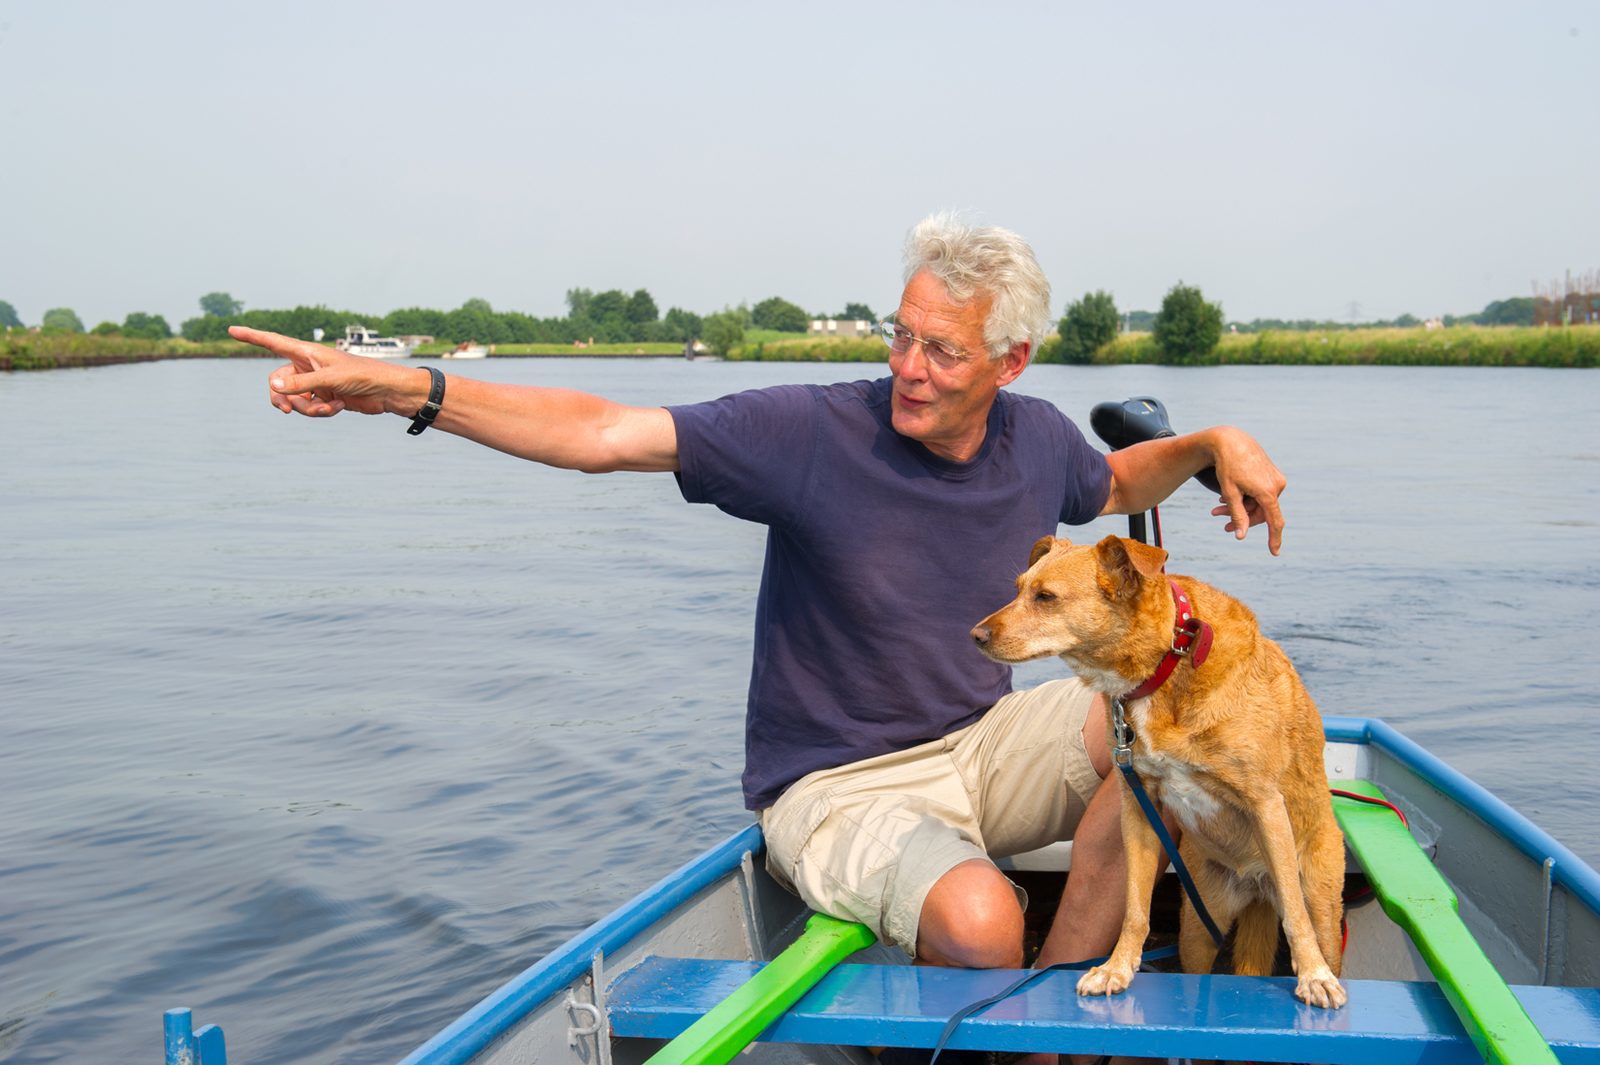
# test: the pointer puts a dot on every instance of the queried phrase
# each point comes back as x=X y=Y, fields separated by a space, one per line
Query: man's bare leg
x=1089 y=916
x=971 y=920
x=1090 y=913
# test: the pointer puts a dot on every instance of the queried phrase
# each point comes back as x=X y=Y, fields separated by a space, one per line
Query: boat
x=359 y=340
x=1425 y=985
x=1472 y=936
x=466 y=350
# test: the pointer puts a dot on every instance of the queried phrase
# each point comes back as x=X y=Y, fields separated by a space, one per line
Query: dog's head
x=1081 y=602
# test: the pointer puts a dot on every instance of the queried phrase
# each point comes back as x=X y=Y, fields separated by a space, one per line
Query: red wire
x=1344 y=926
x=1374 y=802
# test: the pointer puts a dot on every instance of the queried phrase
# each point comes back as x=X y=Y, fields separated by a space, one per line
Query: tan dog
x=1231 y=748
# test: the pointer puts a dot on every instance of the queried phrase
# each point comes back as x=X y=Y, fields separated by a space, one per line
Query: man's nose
x=920 y=369
x=982 y=634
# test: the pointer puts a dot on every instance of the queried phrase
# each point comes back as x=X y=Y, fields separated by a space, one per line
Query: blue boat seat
x=1162 y=1015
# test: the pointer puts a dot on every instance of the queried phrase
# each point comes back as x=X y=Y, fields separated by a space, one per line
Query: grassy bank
x=38 y=351
x=1575 y=346
x=804 y=349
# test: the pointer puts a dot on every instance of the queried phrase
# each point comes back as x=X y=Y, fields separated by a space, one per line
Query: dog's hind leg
x=1255 y=939
x=1197 y=951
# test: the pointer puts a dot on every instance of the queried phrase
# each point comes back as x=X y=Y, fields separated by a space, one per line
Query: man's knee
x=971 y=919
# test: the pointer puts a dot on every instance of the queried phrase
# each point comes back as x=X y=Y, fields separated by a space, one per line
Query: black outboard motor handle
x=1135 y=420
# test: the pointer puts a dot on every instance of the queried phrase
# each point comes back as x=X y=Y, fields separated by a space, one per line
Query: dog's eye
x=1043 y=596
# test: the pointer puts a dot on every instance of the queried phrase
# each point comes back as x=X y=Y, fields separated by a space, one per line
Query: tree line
x=615 y=316
x=608 y=317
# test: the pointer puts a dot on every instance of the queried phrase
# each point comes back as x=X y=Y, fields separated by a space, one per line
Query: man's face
x=947 y=410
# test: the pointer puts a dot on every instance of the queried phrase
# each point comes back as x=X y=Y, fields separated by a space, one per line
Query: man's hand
x=319 y=381
x=1251 y=485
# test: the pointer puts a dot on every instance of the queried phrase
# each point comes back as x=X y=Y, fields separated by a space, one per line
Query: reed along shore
x=1544 y=346
x=1548 y=346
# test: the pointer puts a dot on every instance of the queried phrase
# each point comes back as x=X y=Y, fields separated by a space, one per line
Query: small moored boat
x=359 y=340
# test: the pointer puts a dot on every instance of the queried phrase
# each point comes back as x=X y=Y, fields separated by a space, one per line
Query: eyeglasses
x=942 y=355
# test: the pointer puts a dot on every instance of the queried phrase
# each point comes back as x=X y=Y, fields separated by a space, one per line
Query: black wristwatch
x=430 y=410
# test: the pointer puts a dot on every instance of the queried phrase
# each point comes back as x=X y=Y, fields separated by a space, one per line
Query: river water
x=325 y=731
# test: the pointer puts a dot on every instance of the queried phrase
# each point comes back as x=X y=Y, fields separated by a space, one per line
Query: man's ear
x=1126 y=564
x=1013 y=362
x=1044 y=546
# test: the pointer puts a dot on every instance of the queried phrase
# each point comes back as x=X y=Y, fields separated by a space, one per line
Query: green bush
x=1187 y=328
x=723 y=331
x=779 y=314
x=61 y=320
x=1089 y=325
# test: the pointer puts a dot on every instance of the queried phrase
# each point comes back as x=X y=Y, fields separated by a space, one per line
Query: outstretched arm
x=1145 y=474
x=559 y=427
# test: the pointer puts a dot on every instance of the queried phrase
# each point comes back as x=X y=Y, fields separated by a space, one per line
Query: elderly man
x=888 y=760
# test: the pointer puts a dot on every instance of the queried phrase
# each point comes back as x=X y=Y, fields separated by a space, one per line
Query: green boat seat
x=1415 y=896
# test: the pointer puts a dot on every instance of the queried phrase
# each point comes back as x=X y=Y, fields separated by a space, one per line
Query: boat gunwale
x=495 y=1015
x=1567 y=869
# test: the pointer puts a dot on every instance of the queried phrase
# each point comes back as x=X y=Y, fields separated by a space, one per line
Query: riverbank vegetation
x=1463 y=345
x=26 y=350
x=1560 y=326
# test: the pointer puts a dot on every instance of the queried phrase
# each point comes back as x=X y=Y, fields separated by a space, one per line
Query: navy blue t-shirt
x=881 y=556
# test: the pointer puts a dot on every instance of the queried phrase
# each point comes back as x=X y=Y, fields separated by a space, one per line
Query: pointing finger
x=304 y=354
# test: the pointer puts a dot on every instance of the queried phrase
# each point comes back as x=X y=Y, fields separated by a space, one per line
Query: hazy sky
x=1292 y=160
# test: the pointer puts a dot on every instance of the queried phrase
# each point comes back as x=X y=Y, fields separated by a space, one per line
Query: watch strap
x=429 y=410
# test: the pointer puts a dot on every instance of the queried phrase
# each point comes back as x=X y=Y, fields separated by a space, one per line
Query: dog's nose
x=982 y=634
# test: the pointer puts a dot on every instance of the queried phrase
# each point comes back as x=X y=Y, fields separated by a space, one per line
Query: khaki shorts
x=868 y=840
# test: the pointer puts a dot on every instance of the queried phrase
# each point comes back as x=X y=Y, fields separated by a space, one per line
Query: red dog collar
x=1191 y=638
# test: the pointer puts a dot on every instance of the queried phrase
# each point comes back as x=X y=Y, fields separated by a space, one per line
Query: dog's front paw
x=1317 y=988
x=1105 y=979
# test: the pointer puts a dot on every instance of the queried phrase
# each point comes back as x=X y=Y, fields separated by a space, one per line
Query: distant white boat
x=467 y=350
x=359 y=340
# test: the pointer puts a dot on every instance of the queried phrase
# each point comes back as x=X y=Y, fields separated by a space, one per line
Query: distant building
x=833 y=327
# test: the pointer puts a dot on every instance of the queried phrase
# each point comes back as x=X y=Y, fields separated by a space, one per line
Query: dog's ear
x=1126 y=564
x=1041 y=548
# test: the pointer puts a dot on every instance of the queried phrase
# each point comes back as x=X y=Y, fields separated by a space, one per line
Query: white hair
x=973 y=261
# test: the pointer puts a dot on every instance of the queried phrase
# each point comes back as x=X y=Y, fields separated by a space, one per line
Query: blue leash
x=1122 y=754
x=1021 y=982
